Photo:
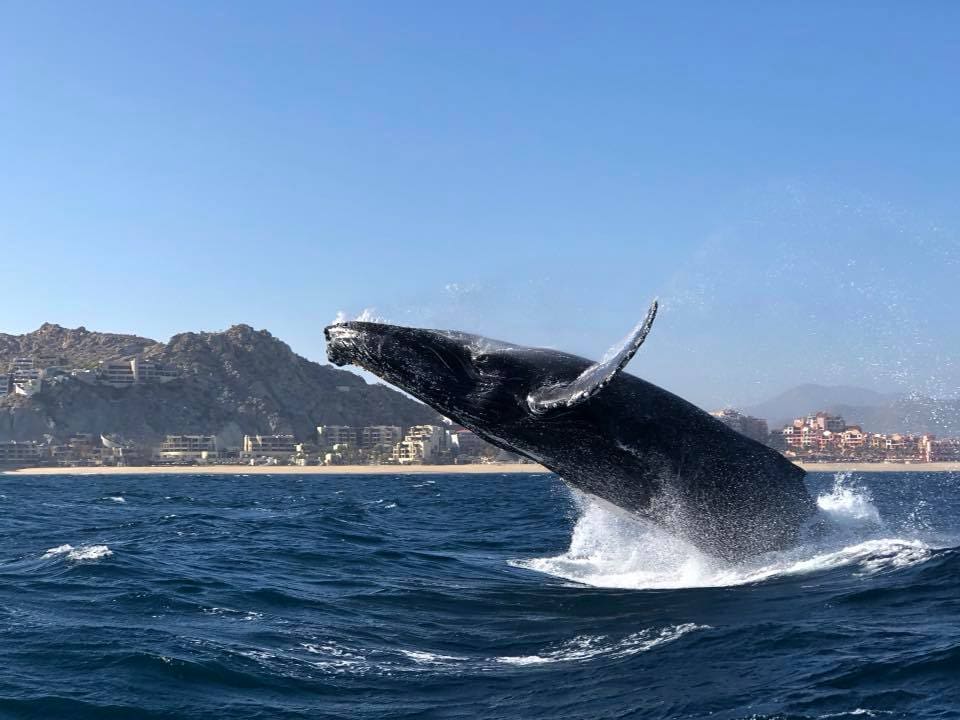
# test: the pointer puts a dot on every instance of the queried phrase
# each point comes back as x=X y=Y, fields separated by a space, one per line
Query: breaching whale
x=603 y=431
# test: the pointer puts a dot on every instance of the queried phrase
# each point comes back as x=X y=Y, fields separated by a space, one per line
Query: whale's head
x=476 y=381
x=473 y=380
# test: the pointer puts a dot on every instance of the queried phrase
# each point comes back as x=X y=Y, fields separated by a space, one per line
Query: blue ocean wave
x=464 y=596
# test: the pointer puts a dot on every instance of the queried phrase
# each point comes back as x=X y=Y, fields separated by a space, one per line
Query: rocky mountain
x=873 y=411
x=79 y=347
x=241 y=381
x=810 y=398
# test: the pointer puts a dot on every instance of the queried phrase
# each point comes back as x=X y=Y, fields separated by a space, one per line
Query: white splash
x=848 y=504
x=335 y=658
x=84 y=552
x=610 y=548
x=59 y=550
x=588 y=647
x=370 y=315
x=366 y=315
x=857 y=712
x=117 y=498
x=244 y=615
x=89 y=552
x=428 y=658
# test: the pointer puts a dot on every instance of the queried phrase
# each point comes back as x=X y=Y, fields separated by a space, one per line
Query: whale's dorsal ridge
x=596 y=377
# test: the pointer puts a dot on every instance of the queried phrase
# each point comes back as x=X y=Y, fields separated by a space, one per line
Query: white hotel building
x=421 y=445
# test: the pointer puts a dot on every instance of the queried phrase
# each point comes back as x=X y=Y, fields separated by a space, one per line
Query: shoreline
x=879 y=467
x=494 y=468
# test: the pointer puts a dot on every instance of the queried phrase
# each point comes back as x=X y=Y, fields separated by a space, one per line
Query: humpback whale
x=603 y=431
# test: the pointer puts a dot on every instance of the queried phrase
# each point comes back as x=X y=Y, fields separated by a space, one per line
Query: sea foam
x=84 y=552
x=589 y=647
x=610 y=548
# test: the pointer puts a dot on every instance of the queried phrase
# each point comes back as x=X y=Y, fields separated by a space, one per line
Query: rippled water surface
x=464 y=596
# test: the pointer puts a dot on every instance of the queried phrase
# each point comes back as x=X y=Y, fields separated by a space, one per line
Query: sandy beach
x=512 y=468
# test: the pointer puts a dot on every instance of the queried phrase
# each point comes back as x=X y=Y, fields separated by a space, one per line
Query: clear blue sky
x=784 y=176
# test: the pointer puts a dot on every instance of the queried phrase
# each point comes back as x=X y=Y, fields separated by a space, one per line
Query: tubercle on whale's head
x=470 y=379
x=423 y=363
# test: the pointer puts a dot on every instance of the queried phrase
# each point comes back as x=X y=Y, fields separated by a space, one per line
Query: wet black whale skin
x=632 y=444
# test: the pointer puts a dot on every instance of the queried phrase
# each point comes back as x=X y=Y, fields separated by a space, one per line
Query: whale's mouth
x=360 y=343
x=342 y=344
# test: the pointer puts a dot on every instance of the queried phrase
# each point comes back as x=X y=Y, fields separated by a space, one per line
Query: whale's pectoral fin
x=597 y=376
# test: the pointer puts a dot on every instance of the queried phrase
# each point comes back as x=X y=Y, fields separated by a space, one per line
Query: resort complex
x=331 y=445
x=105 y=438
x=26 y=375
x=816 y=438
x=823 y=437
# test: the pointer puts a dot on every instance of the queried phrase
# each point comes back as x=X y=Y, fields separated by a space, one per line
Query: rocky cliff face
x=232 y=383
x=79 y=347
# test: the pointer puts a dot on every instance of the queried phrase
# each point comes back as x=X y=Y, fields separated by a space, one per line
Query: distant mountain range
x=873 y=411
x=241 y=381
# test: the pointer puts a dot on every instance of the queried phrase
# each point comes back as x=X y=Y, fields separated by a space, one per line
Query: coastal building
x=130 y=371
x=852 y=438
x=828 y=437
x=23 y=370
x=22 y=364
x=898 y=444
x=423 y=444
x=813 y=437
x=817 y=433
x=21 y=376
x=945 y=450
x=118 y=373
x=82 y=441
x=48 y=361
x=363 y=438
x=5 y=384
x=21 y=454
x=753 y=427
x=85 y=449
x=378 y=436
x=80 y=449
x=330 y=435
x=90 y=377
x=27 y=388
x=332 y=458
x=792 y=437
x=825 y=421
x=188 y=448
x=269 y=445
x=63 y=456
x=151 y=372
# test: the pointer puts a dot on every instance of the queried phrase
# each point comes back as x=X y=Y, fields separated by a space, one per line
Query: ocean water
x=450 y=596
